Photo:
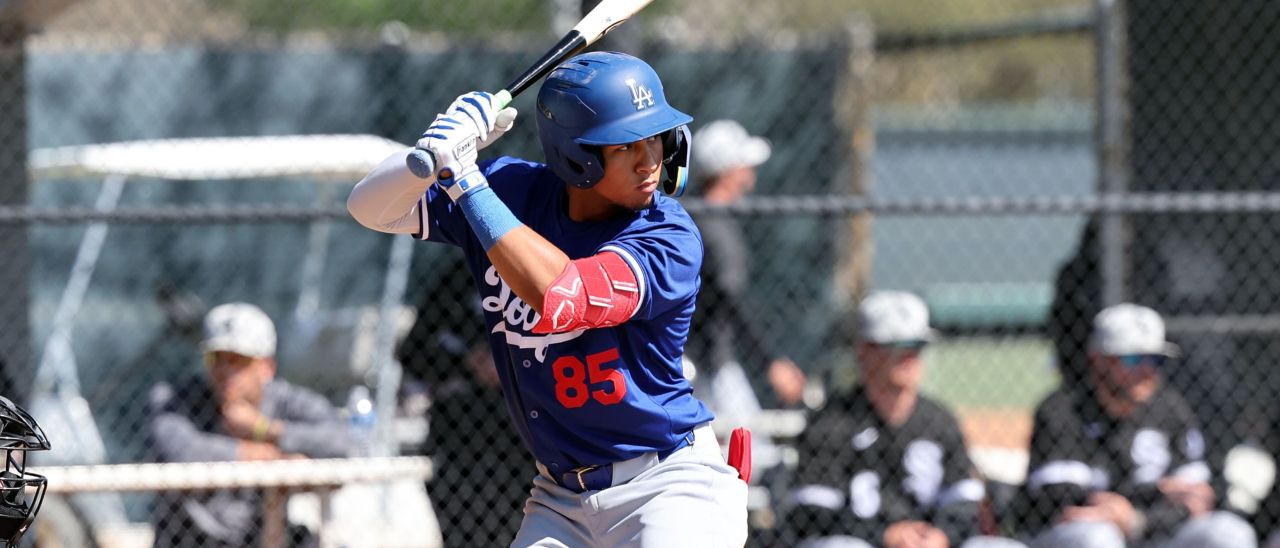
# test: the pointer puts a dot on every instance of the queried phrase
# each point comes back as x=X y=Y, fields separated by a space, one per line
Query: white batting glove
x=472 y=122
x=503 y=122
x=451 y=143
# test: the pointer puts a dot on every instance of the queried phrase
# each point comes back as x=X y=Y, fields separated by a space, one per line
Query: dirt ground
x=1006 y=428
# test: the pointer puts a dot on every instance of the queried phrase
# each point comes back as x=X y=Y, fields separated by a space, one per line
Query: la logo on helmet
x=641 y=96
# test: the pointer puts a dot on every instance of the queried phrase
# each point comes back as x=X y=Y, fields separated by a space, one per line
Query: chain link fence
x=1017 y=165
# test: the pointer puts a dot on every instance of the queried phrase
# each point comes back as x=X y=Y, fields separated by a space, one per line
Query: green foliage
x=421 y=15
x=426 y=15
x=990 y=373
x=898 y=15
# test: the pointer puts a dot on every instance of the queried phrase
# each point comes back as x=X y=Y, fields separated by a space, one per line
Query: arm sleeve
x=1187 y=454
x=1162 y=517
x=666 y=261
x=1058 y=473
x=392 y=199
x=956 y=512
x=818 y=499
x=827 y=478
x=312 y=426
x=175 y=437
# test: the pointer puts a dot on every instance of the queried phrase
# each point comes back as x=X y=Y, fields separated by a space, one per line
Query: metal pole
x=386 y=369
x=1114 y=172
x=854 y=252
x=15 y=329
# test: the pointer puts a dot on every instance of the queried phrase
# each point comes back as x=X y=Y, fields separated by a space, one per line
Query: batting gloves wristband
x=490 y=219
x=464 y=183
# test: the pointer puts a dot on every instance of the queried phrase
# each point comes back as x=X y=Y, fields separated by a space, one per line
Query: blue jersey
x=599 y=395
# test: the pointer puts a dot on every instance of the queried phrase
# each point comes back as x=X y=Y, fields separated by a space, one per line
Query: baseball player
x=885 y=465
x=1123 y=462
x=235 y=410
x=588 y=278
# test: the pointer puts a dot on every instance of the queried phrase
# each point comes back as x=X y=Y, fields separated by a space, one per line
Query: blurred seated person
x=236 y=411
x=732 y=352
x=1121 y=463
x=481 y=468
x=884 y=465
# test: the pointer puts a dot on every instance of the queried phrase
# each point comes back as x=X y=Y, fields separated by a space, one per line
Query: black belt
x=600 y=476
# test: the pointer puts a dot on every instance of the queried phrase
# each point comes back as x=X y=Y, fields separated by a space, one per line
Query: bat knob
x=445 y=173
x=420 y=163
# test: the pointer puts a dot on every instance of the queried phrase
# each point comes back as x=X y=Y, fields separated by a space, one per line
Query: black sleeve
x=962 y=492
x=1163 y=517
x=1054 y=451
x=819 y=501
x=833 y=478
x=1186 y=460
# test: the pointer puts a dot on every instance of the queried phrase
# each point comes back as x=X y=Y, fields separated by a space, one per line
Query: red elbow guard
x=598 y=291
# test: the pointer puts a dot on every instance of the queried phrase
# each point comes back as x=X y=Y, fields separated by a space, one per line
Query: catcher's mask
x=607 y=98
x=21 y=492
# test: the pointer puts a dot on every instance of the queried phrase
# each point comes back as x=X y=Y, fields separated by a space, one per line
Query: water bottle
x=363 y=419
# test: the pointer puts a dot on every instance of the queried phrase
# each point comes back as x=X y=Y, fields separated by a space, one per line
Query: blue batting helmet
x=608 y=98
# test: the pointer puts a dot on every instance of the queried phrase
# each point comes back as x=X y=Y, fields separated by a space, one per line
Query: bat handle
x=503 y=98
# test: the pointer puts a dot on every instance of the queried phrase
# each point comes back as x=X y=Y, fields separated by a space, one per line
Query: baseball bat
x=606 y=16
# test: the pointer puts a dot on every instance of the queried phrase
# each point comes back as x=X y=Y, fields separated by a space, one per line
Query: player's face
x=631 y=173
x=238 y=378
x=738 y=181
x=892 y=367
x=1128 y=373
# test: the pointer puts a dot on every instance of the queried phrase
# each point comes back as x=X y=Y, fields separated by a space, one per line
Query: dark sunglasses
x=915 y=346
x=1134 y=361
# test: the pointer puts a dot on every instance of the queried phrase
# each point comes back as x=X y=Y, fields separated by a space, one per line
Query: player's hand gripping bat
x=602 y=19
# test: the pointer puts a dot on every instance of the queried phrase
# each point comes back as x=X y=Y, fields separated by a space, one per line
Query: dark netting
x=1017 y=166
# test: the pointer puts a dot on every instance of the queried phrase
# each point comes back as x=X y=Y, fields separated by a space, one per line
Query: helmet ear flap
x=677 y=144
x=587 y=164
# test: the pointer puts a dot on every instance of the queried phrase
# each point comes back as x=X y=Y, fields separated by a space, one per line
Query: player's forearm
x=601 y=292
x=387 y=198
x=175 y=439
x=325 y=440
x=528 y=263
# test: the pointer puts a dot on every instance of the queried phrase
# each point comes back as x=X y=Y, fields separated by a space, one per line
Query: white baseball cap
x=724 y=144
x=1128 y=329
x=894 y=317
x=241 y=328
